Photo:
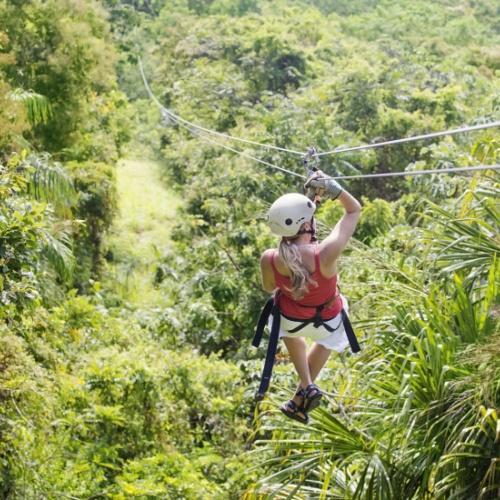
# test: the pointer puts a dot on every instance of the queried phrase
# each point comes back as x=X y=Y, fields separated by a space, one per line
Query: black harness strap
x=264 y=316
x=316 y=320
x=351 y=336
x=272 y=308
x=317 y=323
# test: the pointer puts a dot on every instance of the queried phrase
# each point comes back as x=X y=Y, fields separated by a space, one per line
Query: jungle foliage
x=105 y=397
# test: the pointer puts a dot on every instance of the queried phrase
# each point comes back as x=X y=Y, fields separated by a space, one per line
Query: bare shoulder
x=329 y=248
x=265 y=258
x=328 y=261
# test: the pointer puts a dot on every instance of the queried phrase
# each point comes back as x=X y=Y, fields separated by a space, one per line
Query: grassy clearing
x=141 y=231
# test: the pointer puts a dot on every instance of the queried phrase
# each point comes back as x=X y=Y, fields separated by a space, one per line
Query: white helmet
x=289 y=212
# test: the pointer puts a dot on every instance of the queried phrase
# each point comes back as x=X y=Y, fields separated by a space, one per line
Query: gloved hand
x=311 y=192
x=319 y=184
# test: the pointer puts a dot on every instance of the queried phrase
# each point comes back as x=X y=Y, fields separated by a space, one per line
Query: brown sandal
x=294 y=411
x=312 y=397
x=291 y=410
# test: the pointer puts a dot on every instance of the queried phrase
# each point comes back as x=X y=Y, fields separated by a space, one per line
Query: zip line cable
x=237 y=151
x=419 y=172
x=198 y=131
x=339 y=150
x=414 y=138
x=209 y=131
x=246 y=155
x=346 y=177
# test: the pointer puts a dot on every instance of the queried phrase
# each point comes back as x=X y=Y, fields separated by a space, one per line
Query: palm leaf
x=37 y=106
x=57 y=251
x=470 y=464
x=49 y=182
x=466 y=244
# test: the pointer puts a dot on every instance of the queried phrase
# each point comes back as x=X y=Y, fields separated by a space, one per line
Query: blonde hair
x=300 y=276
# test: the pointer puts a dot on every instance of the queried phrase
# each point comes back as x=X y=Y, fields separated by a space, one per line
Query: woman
x=304 y=275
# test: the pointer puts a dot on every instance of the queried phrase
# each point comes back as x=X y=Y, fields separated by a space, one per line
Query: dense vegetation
x=126 y=374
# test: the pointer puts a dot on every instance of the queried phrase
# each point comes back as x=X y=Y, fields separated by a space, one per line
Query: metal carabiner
x=311 y=160
x=311 y=164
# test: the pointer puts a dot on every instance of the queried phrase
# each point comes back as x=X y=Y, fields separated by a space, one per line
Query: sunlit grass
x=141 y=231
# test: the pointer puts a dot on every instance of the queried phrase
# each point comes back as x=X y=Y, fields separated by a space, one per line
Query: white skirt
x=335 y=341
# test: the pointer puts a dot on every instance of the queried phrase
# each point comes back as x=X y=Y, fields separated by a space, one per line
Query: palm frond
x=58 y=252
x=37 y=106
x=49 y=182
x=486 y=150
x=466 y=244
x=470 y=464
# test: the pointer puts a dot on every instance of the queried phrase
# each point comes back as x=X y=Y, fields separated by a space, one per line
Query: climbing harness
x=271 y=308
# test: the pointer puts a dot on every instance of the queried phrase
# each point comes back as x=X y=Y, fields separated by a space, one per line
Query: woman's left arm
x=267 y=275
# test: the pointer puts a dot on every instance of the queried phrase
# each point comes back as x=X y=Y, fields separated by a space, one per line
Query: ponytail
x=300 y=279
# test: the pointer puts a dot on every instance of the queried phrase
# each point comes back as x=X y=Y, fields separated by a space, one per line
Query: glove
x=309 y=191
x=323 y=183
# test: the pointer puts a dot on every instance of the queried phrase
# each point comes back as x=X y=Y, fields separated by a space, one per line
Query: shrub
x=97 y=202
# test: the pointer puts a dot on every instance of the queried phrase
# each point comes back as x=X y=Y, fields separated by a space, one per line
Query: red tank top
x=316 y=295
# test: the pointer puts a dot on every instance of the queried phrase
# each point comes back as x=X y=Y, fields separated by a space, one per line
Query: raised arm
x=331 y=248
x=333 y=245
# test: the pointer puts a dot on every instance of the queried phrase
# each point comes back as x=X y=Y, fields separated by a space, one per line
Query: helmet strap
x=311 y=231
x=314 y=238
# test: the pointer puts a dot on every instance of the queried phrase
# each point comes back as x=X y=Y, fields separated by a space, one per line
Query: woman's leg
x=317 y=357
x=297 y=348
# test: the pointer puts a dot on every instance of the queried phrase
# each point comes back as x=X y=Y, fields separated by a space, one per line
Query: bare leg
x=317 y=357
x=297 y=348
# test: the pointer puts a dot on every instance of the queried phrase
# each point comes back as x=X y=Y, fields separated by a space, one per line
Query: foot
x=299 y=397
x=312 y=397
x=291 y=410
